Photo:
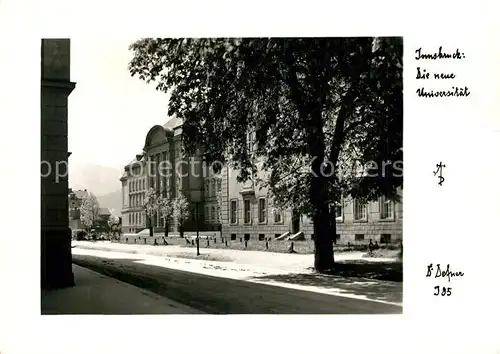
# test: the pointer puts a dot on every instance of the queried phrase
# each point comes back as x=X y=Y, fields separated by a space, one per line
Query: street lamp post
x=196 y=199
x=197 y=233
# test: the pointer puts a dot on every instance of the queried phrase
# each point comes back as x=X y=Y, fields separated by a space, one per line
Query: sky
x=109 y=112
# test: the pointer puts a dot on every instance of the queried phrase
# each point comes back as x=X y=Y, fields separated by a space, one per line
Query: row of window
x=212 y=214
x=360 y=211
x=384 y=238
x=139 y=218
x=212 y=187
x=136 y=219
x=136 y=200
x=137 y=185
x=247 y=212
x=386 y=209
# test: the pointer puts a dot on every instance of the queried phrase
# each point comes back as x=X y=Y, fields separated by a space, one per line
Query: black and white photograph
x=222 y=175
x=195 y=159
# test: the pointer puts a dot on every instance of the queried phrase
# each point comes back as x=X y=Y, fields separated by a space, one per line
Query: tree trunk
x=181 y=231
x=151 y=227
x=333 y=225
x=323 y=245
x=166 y=227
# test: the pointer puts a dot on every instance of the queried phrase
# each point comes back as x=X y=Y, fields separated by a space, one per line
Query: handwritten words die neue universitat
x=425 y=75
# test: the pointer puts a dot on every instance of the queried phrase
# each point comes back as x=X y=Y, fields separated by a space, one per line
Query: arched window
x=213 y=187
x=219 y=184
x=213 y=213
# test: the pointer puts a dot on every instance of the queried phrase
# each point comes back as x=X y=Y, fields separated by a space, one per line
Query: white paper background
x=455 y=224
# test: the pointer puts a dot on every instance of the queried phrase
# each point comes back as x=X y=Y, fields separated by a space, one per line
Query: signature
x=438 y=272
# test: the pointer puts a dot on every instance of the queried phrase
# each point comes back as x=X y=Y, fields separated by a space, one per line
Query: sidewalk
x=100 y=295
x=279 y=269
x=261 y=259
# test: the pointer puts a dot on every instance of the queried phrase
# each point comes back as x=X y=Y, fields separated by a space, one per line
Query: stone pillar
x=172 y=171
x=157 y=174
x=56 y=263
x=164 y=173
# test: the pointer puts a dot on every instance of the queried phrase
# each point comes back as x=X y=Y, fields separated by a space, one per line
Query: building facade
x=161 y=166
x=240 y=210
x=248 y=213
x=55 y=86
x=75 y=199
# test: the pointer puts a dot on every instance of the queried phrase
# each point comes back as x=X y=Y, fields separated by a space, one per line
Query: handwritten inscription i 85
x=442 y=290
x=439 y=272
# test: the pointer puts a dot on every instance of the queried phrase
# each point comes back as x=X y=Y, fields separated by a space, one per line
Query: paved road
x=215 y=295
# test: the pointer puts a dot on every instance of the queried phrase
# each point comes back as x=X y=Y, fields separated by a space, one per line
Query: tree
x=180 y=211
x=150 y=205
x=89 y=211
x=166 y=209
x=316 y=107
x=114 y=225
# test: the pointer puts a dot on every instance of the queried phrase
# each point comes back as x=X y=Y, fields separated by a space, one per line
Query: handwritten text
x=445 y=76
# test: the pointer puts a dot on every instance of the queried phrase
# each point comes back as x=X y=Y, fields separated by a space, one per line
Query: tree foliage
x=166 y=210
x=114 y=225
x=113 y=220
x=89 y=211
x=316 y=107
x=166 y=207
x=150 y=202
x=150 y=205
x=180 y=208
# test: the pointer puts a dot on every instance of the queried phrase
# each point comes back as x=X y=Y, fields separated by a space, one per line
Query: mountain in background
x=102 y=181
x=112 y=201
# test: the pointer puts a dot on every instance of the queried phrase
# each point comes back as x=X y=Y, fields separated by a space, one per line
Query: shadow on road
x=376 y=280
x=390 y=271
x=216 y=295
x=372 y=289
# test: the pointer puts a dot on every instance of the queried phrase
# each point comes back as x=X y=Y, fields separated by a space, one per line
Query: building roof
x=132 y=162
x=171 y=126
x=172 y=123
x=135 y=161
x=80 y=194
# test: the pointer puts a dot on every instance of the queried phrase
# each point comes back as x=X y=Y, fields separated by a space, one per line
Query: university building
x=161 y=166
x=242 y=210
